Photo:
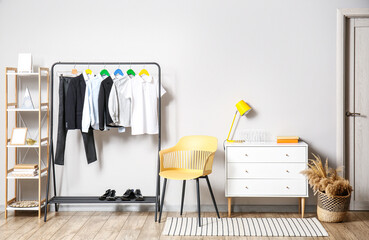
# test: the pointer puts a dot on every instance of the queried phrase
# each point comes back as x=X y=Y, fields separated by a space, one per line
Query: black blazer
x=74 y=102
x=104 y=93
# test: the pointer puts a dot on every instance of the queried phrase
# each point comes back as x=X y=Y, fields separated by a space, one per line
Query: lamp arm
x=230 y=130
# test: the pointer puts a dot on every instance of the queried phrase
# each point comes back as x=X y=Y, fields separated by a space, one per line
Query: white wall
x=277 y=55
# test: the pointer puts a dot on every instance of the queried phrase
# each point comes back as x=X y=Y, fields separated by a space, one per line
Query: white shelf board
x=10 y=176
x=25 y=209
x=43 y=108
x=44 y=143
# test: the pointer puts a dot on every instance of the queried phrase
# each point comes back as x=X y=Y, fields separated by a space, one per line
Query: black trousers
x=88 y=138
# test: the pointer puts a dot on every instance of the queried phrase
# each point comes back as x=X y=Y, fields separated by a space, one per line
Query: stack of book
x=288 y=139
x=25 y=170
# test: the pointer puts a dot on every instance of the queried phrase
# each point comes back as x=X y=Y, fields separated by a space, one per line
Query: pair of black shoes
x=109 y=195
x=130 y=194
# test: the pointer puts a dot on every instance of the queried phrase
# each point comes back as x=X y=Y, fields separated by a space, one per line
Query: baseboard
x=175 y=208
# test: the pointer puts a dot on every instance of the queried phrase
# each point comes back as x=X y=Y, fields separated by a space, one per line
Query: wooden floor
x=141 y=225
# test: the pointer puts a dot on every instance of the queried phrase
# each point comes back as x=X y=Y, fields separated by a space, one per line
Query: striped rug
x=269 y=227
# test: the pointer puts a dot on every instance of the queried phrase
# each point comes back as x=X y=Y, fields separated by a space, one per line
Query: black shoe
x=128 y=195
x=107 y=193
x=111 y=197
x=138 y=195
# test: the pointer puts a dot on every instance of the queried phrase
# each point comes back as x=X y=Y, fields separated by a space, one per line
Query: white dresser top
x=265 y=144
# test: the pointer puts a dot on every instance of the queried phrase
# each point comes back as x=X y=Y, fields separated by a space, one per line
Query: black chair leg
x=198 y=200
x=212 y=195
x=183 y=195
x=162 y=198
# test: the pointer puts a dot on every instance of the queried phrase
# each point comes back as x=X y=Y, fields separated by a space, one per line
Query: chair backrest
x=193 y=153
x=204 y=143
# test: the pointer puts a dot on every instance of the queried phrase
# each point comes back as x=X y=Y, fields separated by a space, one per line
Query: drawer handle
x=288 y=187
x=246 y=171
x=287 y=155
x=246 y=187
x=246 y=155
x=287 y=171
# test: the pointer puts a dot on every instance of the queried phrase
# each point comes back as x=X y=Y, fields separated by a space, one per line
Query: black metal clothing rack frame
x=87 y=199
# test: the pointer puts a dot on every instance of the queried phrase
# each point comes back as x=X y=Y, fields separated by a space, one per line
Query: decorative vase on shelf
x=27 y=100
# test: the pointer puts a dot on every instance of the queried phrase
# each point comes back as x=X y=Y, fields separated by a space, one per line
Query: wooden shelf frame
x=43 y=107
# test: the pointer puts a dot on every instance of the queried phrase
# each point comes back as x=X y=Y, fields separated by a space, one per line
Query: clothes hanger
x=144 y=71
x=88 y=70
x=66 y=73
x=130 y=71
x=104 y=72
x=118 y=71
x=69 y=73
x=74 y=70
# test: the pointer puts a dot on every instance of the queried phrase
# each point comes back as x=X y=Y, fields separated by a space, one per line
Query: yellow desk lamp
x=243 y=108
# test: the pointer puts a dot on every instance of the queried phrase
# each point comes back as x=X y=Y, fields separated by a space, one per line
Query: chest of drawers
x=266 y=170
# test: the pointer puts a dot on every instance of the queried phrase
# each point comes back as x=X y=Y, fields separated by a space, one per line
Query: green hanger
x=104 y=72
x=131 y=72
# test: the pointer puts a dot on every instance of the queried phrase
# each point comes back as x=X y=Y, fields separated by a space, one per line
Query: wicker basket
x=332 y=209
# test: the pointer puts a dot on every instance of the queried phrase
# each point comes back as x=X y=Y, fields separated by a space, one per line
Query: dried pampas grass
x=325 y=179
x=340 y=187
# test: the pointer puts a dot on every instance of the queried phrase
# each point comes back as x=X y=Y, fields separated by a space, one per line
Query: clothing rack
x=88 y=199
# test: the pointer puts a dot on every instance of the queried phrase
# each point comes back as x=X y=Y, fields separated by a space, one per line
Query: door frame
x=342 y=17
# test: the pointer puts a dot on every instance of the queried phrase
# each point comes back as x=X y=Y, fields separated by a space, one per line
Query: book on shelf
x=25 y=170
x=31 y=173
x=287 y=139
x=22 y=174
x=25 y=166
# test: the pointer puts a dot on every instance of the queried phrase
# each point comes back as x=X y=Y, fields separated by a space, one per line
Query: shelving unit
x=13 y=107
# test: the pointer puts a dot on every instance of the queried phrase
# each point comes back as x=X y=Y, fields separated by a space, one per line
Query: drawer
x=266 y=187
x=265 y=170
x=266 y=154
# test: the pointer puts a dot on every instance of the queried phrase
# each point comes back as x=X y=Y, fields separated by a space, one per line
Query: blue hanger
x=118 y=71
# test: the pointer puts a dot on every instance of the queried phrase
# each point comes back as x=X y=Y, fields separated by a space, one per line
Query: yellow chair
x=191 y=158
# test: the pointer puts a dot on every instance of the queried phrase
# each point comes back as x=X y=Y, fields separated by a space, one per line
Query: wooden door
x=357 y=111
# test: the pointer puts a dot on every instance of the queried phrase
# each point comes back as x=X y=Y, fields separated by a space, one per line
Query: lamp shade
x=242 y=107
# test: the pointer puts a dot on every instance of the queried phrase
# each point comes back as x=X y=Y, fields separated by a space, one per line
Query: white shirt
x=145 y=94
x=120 y=101
x=90 y=113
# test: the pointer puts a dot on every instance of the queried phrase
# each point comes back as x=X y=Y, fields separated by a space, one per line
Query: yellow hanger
x=88 y=70
x=144 y=71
